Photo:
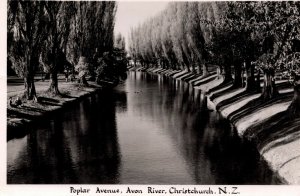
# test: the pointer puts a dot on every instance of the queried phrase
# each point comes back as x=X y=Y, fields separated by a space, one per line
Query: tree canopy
x=241 y=38
x=55 y=36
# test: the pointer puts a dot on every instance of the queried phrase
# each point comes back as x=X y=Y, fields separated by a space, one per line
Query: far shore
x=19 y=118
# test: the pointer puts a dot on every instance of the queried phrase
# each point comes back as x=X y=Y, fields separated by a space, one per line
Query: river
x=149 y=130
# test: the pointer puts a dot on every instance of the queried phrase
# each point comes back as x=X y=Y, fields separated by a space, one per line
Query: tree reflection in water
x=212 y=151
x=79 y=146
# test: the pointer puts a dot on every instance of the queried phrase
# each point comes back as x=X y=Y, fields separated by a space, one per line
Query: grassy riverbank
x=20 y=117
x=266 y=124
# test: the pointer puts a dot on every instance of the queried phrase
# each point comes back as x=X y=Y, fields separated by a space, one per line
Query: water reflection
x=79 y=146
x=206 y=147
x=150 y=130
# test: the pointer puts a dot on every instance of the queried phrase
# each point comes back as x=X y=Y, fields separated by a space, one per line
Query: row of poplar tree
x=258 y=37
x=59 y=35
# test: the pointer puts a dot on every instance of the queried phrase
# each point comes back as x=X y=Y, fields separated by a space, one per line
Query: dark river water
x=149 y=130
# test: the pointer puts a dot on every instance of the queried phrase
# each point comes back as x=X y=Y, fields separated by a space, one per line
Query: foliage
x=92 y=30
x=224 y=33
x=119 y=42
x=26 y=31
x=52 y=56
x=58 y=35
x=176 y=37
x=112 y=66
x=82 y=68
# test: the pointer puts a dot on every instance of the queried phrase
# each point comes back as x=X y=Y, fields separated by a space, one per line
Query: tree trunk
x=269 y=90
x=168 y=65
x=294 y=108
x=204 y=70
x=30 y=92
x=83 y=81
x=187 y=67
x=227 y=73
x=238 y=75
x=53 y=88
x=193 y=69
x=250 y=78
x=257 y=82
x=179 y=66
x=199 y=68
x=219 y=72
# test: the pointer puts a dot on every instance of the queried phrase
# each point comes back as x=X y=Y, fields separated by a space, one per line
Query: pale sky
x=131 y=13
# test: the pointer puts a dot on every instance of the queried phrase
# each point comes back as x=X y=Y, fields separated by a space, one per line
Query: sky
x=131 y=13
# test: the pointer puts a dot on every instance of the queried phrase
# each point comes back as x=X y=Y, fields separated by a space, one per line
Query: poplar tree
x=26 y=32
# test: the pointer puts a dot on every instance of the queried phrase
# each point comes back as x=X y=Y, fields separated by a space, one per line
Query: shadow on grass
x=191 y=77
x=174 y=72
x=32 y=109
x=224 y=84
x=201 y=77
x=181 y=74
x=92 y=86
x=204 y=81
x=237 y=97
x=224 y=91
x=48 y=100
x=284 y=85
x=257 y=104
x=277 y=130
x=22 y=113
x=55 y=98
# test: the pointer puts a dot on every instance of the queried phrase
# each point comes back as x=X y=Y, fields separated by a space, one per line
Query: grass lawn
x=30 y=110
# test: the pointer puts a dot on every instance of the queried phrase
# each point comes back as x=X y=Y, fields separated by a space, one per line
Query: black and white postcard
x=150 y=98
